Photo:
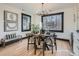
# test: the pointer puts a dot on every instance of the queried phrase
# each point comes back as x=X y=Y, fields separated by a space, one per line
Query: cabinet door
x=76 y=44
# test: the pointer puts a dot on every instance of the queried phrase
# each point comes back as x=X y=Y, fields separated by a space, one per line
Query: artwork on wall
x=53 y=22
x=10 y=21
x=26 y=22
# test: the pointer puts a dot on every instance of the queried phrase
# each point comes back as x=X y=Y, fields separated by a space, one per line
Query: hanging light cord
x=42 y=7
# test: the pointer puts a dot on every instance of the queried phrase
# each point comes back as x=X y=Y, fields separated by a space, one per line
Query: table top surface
x=43 y=35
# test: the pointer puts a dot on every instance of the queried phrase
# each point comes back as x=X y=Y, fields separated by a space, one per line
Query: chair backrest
x=42 y=31
x=48 y=33
x=54 y=35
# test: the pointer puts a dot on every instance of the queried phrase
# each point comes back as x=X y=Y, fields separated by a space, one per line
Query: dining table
x=42 y=37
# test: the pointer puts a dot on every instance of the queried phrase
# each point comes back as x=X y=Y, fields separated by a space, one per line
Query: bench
x=10 y=38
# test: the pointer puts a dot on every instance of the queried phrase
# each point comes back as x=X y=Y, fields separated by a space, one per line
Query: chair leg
x=43 y=48
x=52 y=49
x=46 y=46
x=51 y=45
x=28 y=44
x=55 y=45
x=35 y=49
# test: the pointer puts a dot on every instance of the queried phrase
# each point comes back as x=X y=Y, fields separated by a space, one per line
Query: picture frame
x=25 y=22
x=53 y=22
x=10 y=21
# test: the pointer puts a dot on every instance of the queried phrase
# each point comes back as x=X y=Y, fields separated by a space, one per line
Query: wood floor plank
x=20 y=49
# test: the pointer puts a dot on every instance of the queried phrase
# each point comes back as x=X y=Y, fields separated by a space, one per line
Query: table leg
x=35 y=46
x=55 y=44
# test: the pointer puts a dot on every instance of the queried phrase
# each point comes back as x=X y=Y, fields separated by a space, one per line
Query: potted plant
x=35 y=28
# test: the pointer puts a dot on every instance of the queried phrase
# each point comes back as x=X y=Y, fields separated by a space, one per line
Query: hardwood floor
x=20 y=49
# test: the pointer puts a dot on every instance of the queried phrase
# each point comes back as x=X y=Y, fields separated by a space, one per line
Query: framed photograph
x=10 y=21
x=53 y=22
x=26 y=22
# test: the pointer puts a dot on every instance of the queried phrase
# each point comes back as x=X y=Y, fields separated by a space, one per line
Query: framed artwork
x=10 y=21
x=26 y=22
x=53 y=22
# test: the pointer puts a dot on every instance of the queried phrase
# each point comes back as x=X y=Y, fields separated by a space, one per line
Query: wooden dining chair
x=55 y=38
x=49 y=42
x=45 y=39
x=29 y=38
x=52 y=40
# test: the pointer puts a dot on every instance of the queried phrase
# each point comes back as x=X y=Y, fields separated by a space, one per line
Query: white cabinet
x=76 y=30
x=76 y=44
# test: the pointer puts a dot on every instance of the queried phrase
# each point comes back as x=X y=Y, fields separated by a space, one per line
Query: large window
x=53 y=22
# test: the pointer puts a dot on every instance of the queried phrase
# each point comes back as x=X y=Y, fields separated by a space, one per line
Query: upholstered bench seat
x=11 y=39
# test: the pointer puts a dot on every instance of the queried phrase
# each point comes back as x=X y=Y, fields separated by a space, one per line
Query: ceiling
x=37 y=6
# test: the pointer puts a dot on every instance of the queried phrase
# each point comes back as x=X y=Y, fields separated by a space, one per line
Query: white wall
x=68 y=23
x=15 y=10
